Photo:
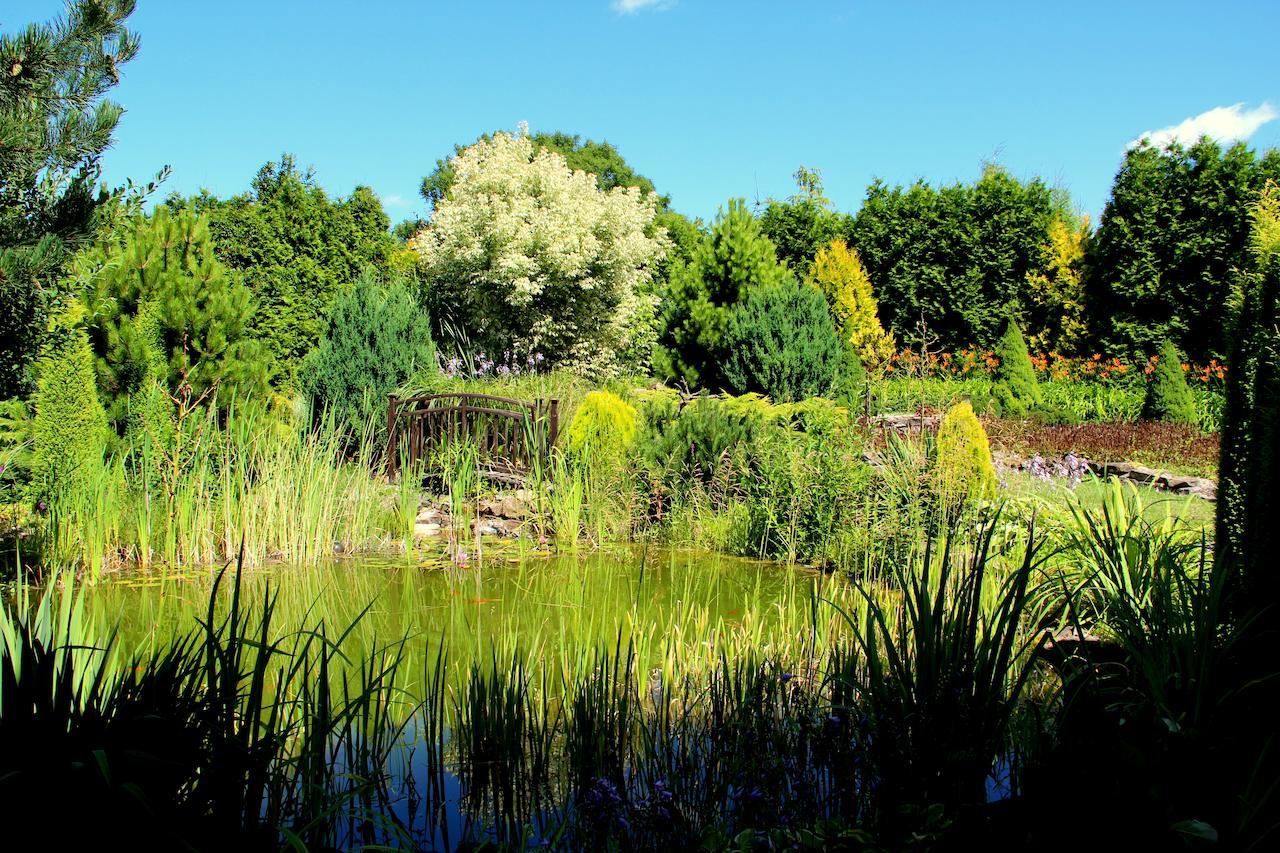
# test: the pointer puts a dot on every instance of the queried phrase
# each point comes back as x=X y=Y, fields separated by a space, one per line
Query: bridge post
x=393 y=445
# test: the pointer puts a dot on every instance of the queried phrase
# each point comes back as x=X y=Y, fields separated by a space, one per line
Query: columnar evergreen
x=1168 y=397
x=1017 y=392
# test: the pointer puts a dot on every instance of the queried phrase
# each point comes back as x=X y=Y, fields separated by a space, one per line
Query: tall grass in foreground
x=284 y=492
x=228 y=738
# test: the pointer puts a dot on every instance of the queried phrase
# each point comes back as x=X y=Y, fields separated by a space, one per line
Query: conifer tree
x=1248 y=538
x=1168 y=398
x=735 y=258
x=781 y=343
x=1016 y=390
x=70 y=425
x=161 y=288
x=55 y=124
x=838 y=272
x=963 y=470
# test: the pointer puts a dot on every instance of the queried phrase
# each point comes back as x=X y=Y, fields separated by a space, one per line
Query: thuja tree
x=70 y=426
x=781 y=342
x=378 y=335
x=527 y=256
x=157 y=300
x=1171 y=241
x=1016 y=391
x=839 y=274
x=54 y=126
x=296 y=247
x=734 y=259
x=1248 y=538
x=803 y=224
x=1168 y=398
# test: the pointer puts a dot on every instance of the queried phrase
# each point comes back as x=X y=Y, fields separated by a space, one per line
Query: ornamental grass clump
x=1168 y=398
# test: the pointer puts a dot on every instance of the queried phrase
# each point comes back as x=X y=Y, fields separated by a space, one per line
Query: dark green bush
x=781 y=343
x=1016 y=392
x=377 y=336
x=1168 y=398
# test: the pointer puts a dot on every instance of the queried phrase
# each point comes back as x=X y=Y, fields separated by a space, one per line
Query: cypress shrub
x=604 y=427
x=1247 y=537
x=377 y=336
x=963 y=470
x=1168 y=397
x=1016 y=390
x=782 y=343
x=70 y=426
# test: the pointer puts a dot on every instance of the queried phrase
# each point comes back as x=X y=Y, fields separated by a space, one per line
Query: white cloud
x=394 y=201
x=630 y=7
x=1222 y=123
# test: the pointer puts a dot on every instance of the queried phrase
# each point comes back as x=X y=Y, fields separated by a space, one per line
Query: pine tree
x=1016 y=390
x=733 y=260
x=1168 y=397
x=161 y=288
x=70 y=426
x=54 y=126
x=838 y=272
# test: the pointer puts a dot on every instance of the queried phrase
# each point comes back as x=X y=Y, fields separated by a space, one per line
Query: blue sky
x=709 y=99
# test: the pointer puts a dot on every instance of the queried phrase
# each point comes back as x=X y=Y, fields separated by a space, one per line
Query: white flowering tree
x=527 y=257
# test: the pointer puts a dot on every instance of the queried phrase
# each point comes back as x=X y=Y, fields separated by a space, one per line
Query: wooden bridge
x=510 y=436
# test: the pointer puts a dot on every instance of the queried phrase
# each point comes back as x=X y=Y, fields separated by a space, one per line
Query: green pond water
x=676 y=608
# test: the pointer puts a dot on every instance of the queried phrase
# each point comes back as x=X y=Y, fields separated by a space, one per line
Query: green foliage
x=296 y=249
x=1168 y=398
x=693 y=442
x=378 y=336
x=1248 y=537
x=781 y=342
x=605 y=426
x=54 y=127
x=734 y=259
x=70 y=426
x=803 y=224
x=957 y=257
x=1172 y=239
x=1016 y=390
x=962 y=469
x=156 y=302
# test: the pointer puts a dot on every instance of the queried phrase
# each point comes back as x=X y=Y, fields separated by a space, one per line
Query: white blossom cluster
x=534 y=257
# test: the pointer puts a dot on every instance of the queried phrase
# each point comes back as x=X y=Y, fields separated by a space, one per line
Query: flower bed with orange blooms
x=1078 y=390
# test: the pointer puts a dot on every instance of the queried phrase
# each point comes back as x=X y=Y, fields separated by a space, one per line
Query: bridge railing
x=509 y=435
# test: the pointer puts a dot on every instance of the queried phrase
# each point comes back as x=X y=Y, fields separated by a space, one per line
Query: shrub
x=1168 y=398
x=528 y=256
x=695 y=443
x=962 y=467
x=604 y=426
x=1016 y=391
x=781 y=343
x=70 y=424
x=838 y=272
x=377 y=337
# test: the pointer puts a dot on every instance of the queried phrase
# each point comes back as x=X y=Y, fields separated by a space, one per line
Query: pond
x=681 y=613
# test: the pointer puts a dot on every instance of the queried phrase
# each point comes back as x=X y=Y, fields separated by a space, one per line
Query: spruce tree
x=781 y=343
x=378 y=335
x=1168 y=397
x=1016 y=391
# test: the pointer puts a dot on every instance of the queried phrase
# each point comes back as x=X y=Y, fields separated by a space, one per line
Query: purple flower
x=786 y=676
